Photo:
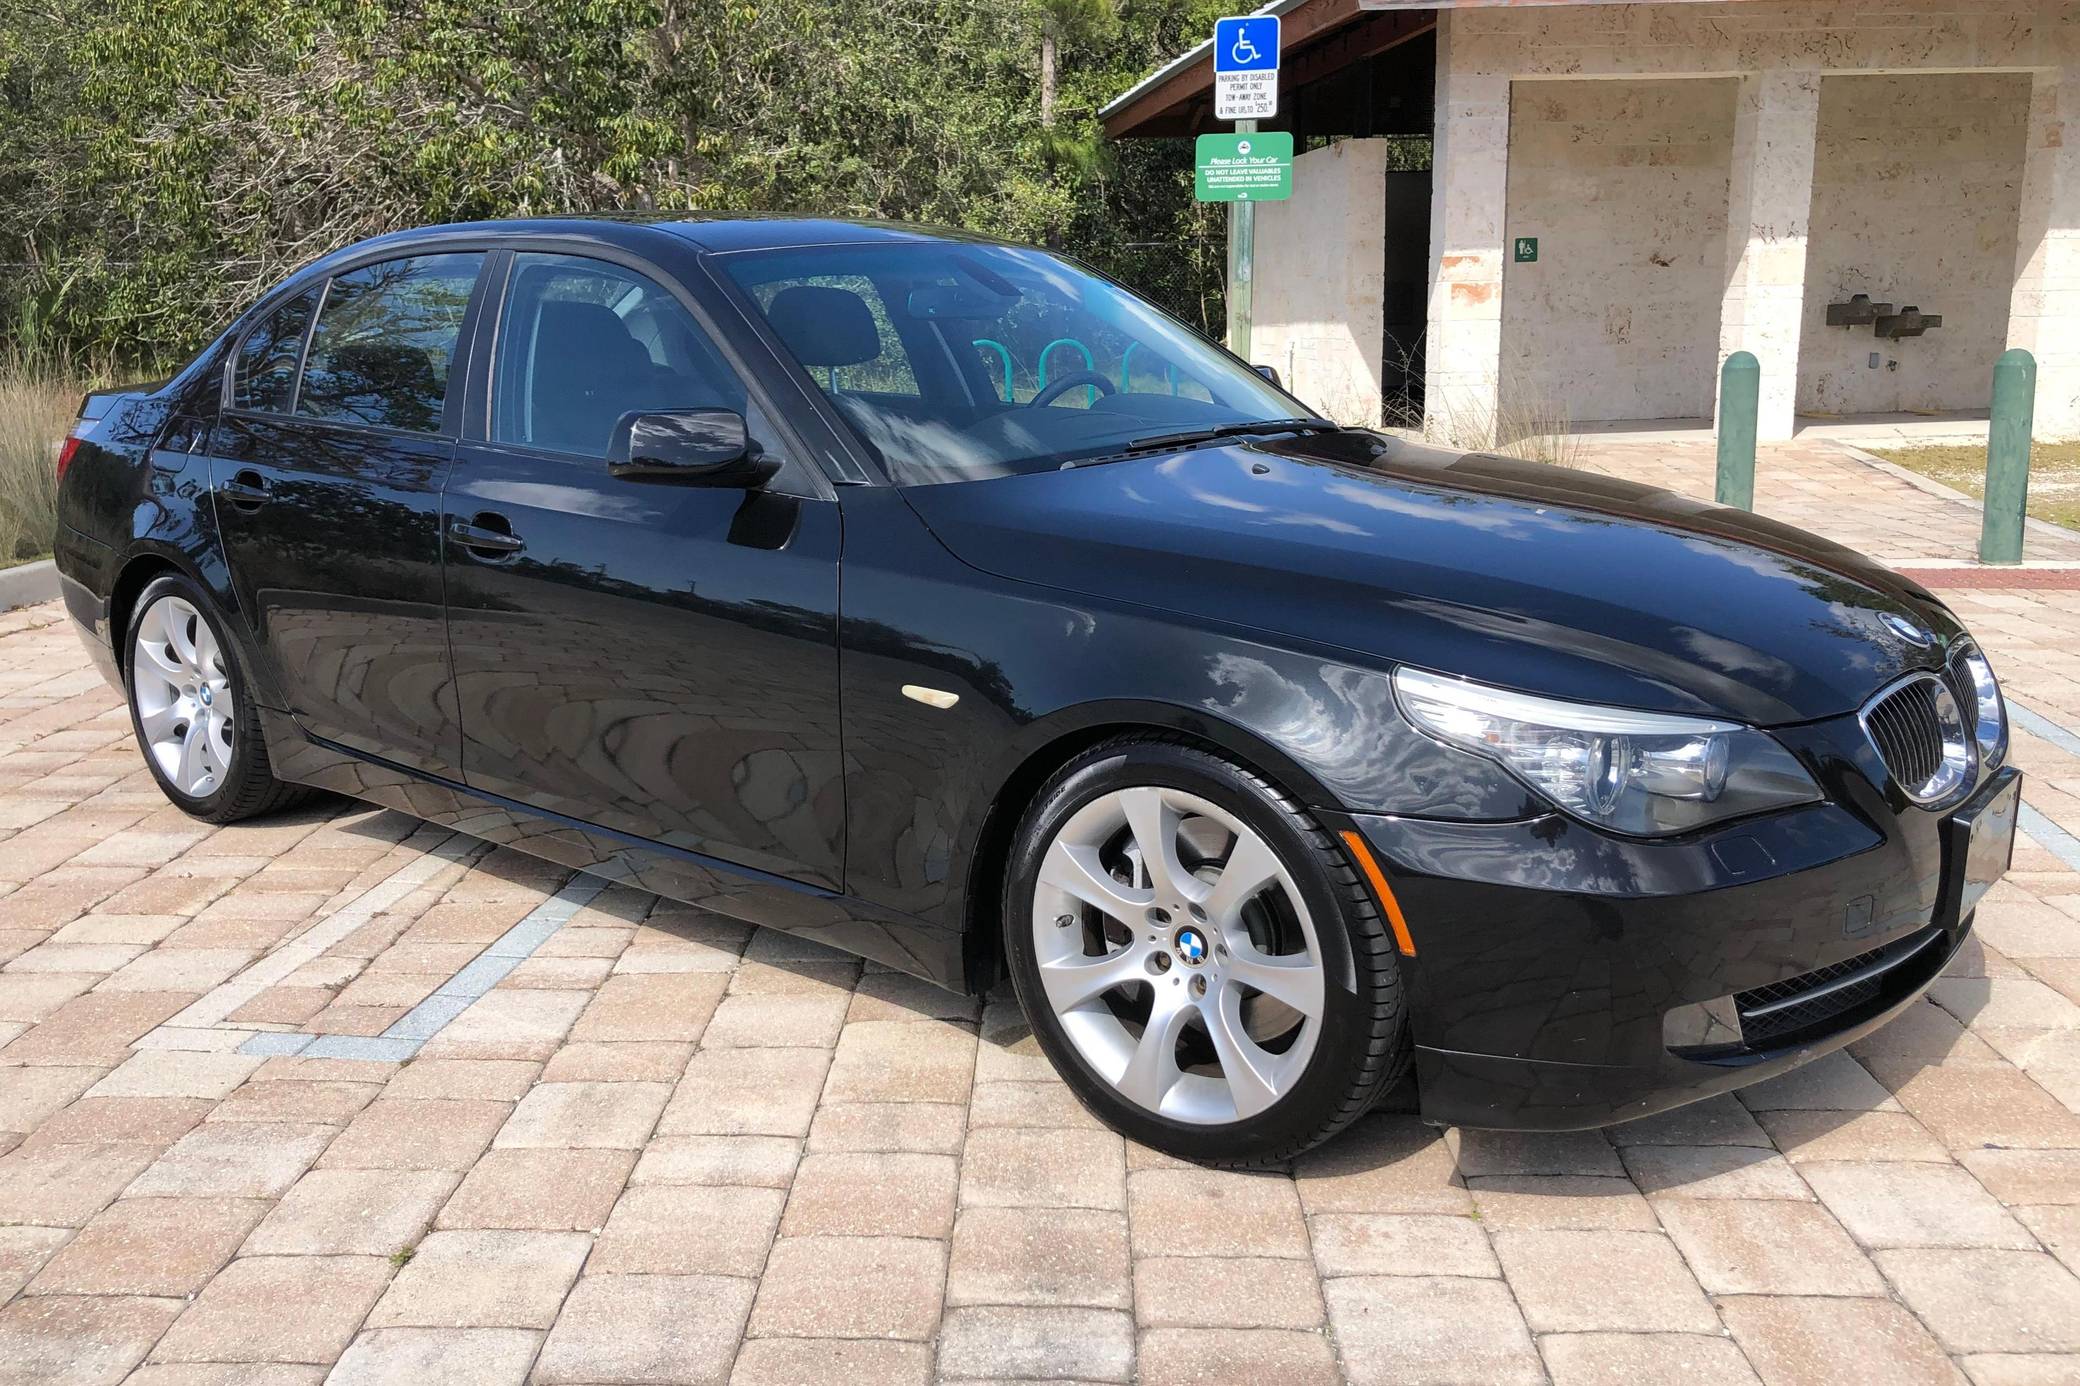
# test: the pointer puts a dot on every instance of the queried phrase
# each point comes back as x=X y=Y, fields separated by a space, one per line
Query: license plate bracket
x=1978 y=845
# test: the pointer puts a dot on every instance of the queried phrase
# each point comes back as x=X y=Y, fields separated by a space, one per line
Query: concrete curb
x=28 y=584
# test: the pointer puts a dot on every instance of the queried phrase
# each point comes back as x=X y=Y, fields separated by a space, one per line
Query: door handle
x=247 y=490
x=487 y=536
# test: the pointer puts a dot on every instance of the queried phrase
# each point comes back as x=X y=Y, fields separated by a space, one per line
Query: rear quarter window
x=268 y=359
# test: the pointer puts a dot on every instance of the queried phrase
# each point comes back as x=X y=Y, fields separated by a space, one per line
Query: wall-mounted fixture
x=1909 y=321
x=1857 y=312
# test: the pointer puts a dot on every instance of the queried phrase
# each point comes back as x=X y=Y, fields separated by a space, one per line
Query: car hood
x=1538 y=578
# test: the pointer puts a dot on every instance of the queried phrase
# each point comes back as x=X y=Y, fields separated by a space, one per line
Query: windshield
x=960 y=362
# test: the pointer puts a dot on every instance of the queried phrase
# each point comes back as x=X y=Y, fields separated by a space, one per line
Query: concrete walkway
x=662 y=1146
x=1835 y=490
x=1862 y=430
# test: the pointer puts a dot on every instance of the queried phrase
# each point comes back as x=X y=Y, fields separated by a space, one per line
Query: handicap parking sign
x=1245 y=68
x=1249 y=44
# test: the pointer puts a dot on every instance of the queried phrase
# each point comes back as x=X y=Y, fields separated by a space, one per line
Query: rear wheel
x=1197 y=958
x=188 y=704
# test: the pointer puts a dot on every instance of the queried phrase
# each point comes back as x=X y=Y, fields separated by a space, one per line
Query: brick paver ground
x=1830 y=489
x=666 y=1147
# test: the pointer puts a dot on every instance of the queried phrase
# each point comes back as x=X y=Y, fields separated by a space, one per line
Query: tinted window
x=386 y=340
x=267 y=361
x=584 y=342
x=957 y=362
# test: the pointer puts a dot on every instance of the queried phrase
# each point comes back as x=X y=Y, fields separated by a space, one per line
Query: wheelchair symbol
x=1245 y=52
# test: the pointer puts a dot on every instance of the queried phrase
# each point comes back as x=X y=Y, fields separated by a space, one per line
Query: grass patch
x=35 y=411
x=2054 y=475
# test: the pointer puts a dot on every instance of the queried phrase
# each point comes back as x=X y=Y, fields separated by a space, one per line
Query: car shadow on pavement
x=1730 y=1146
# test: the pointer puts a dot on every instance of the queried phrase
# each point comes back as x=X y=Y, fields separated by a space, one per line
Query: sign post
x=1242 y=265
x=1245 y=90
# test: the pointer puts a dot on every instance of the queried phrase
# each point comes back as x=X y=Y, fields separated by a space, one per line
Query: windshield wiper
x=1157 y=441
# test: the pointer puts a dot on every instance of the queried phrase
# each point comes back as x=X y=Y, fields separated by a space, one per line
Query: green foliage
x=163 y=161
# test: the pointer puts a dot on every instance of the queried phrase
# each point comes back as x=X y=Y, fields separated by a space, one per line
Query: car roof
x=718 y=234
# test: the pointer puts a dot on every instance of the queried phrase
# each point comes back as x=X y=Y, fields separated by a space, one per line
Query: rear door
x=656 y=658
x=327 y=464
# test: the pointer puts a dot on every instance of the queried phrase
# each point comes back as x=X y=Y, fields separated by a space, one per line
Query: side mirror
x=1271 y=374
x=693 y=447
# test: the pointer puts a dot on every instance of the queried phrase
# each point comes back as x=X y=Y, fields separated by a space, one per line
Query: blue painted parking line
x=382 y=1050
x=275 y=1044
x=2043 y=831
x=2043 y=728
x=532 y=932
x=429 y=1017
x=2050 y=836
x=480 y=975
x=456 y=995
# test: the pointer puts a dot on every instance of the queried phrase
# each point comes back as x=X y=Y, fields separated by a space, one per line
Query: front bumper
x=1561 y=974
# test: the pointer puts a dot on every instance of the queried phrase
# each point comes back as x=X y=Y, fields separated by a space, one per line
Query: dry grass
x=35 y=411
x=1524 y=421
x=2054 y=475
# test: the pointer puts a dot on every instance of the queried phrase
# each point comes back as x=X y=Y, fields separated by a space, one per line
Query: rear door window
x=267 y=361
x=385 y=342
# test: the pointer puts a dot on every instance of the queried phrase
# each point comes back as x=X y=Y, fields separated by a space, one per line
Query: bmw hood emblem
x=1907 y=630
x=1191 y=946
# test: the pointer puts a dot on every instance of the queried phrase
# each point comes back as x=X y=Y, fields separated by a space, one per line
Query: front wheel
x=1197 y=958
x=191 y=711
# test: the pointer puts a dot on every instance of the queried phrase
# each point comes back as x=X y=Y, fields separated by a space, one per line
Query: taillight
x=66 y=453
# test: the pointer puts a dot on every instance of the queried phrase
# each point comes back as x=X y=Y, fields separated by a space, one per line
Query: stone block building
x=1507 y=209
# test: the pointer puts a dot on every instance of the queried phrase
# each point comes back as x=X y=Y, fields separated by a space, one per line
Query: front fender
x=1032 y=668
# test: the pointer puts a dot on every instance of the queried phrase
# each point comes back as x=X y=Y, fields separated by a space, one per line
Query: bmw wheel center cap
x=1191 y=946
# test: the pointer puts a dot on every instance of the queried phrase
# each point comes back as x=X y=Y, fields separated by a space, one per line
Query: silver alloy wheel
x=182 y=690
x=1142 y=955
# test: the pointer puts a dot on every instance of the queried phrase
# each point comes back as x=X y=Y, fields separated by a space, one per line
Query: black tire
x=1362 y=1047
x=249 y=787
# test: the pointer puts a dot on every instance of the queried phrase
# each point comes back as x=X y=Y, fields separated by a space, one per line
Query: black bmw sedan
x=941 y=600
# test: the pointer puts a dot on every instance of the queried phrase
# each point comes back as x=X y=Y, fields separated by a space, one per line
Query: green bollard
x=2007 y=457
x=1740 y=397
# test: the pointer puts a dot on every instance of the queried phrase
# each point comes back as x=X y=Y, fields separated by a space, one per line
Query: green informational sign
x=1256 y=167
x=1527 y=250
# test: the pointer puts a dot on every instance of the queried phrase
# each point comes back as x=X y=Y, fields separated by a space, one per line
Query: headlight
x=1642 y=773
x=1990 y=728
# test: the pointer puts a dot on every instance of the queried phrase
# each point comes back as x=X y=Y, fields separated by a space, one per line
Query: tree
x=1085 y=22
x=162 y=161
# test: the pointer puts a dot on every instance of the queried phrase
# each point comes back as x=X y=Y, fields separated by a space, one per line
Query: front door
x=327 y=465
x=656 y=658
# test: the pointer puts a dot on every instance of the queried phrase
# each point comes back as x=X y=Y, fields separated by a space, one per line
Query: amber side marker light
x=1380 y=888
